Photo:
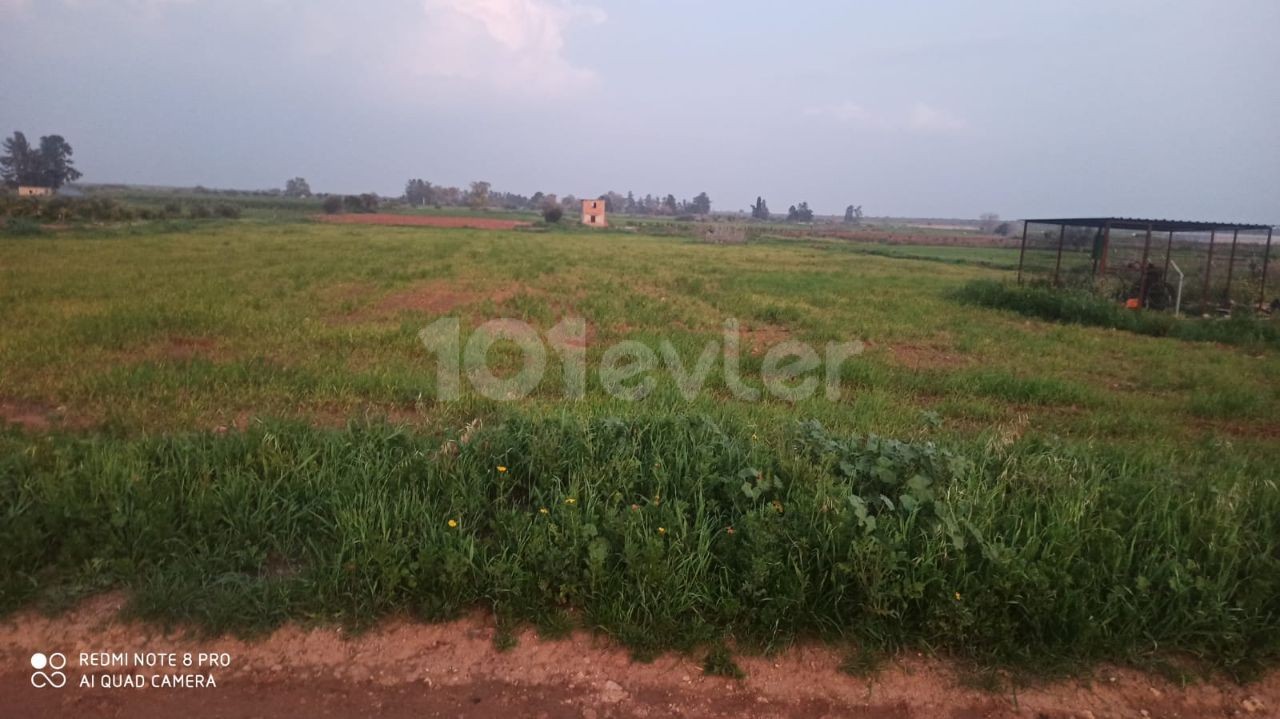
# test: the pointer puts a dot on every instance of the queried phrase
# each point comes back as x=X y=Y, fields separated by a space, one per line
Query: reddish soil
x=923 y=356
x=38 y=417
x=475 y=223
x=405 y=669
x=759 y=339
x=440 y=297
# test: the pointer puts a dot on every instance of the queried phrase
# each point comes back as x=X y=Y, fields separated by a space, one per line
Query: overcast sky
x=1166 y=108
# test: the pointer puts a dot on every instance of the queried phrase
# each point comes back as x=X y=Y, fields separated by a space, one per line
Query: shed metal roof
x=1138 y=223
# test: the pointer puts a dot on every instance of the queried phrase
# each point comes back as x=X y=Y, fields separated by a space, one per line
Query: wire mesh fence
x=1202 y=272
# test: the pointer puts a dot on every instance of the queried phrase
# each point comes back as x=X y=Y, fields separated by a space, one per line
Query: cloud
x=925 y=118
x=846 y=112
x=508 y=44
x=920 y=118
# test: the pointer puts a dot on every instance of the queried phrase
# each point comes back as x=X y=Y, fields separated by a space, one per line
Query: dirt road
x=405 y=669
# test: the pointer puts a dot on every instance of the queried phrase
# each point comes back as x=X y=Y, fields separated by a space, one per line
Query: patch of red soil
x=437 y=297
x=475 y=223
x=759 y=339
x=441 y=297
x=923 y=356
x=186 y=348
x=406 y=669
x=38 y=417
x=28 y=415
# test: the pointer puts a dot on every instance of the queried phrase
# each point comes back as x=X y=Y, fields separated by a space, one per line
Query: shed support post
x=1023 y=250
x=1106 y=246
x=1146 y=253
x=1266 y=257
x=1062 y=236
x=1208 y=272
x=1168 y=255
x=1231 y=264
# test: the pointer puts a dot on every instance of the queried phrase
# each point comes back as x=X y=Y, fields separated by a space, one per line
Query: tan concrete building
x=593 y=213
x=34 y=191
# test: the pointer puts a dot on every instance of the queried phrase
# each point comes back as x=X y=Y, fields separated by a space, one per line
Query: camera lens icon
x=55 y=663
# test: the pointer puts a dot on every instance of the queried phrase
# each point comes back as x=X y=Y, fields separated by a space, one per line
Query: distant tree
x=20 y=164
x=760 y=210
x=568 y=202
x=297 y=187
x=853 y=214
x=551 y=212
x=418 y=192
x=332 y=205
x=669 y=205
x=1003 y=229
x=478 y=198
x=988 y=222
x=367 y=202
x=614 y=202
x=800 y=213
x=701 y=204
x=629 y=206
x=56 y=167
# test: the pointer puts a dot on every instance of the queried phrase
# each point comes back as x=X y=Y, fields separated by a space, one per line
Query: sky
x=1148 y=108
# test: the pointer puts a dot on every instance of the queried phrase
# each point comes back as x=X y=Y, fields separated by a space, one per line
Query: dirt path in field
x=475 y=223
x=404 y=669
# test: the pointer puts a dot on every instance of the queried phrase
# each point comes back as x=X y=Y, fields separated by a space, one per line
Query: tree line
x=47 y=165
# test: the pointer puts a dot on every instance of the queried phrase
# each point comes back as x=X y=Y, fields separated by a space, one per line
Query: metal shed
x=1114 y=245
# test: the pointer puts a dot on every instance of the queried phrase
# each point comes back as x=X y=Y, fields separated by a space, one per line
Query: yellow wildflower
x=544 y=510
x=662 y=530
x=570 y=500
x=453 y=524
x=957 y=596
x=502 y=469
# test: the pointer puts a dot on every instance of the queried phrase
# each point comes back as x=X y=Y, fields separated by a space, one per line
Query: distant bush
x=1085 y=308
x=172 y=208
x=199 y=211
x=22 y=227
x=552 y=213
x=227 y=210
x=332 y=205
x=360 y=203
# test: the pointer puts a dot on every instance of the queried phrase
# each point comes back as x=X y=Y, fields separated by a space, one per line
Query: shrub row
x=661 y=531
x=105 y=209
x=1085 y=308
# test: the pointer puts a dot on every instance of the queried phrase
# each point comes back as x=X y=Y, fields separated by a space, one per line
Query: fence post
x=1208 y=270
x=1266 y=257
x=1146 y=253
x=1231 y=265
x=1023 y=249
x=1062 y=236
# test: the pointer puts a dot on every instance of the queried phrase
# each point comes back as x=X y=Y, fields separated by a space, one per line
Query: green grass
x=1082 y=307
x=1088 y=494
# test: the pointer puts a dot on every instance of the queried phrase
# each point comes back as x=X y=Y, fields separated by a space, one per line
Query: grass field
x=237 y=422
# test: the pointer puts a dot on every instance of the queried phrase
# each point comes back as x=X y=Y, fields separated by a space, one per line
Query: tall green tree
x=20 y=164
x=760 y=210
x=418 y=192
x=56 y=167
x=800 y=213
x=297 y=187
x=701 y=204
x=478 y=198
